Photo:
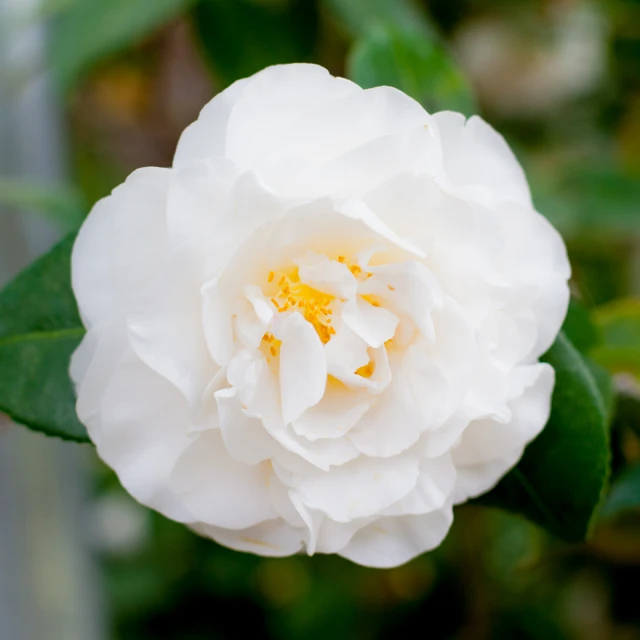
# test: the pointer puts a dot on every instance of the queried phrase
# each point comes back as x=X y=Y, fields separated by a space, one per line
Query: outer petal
x=478 y=162
x=137 y=420
x=488 y=448
x=207 y=136
x=95 y=283
x=485 y=440
x=120 y=244
x=271 y=538
x=356 y=489
x=217 y=489
x=392 y=541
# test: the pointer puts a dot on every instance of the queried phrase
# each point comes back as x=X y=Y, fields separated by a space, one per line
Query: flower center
x=293 y=295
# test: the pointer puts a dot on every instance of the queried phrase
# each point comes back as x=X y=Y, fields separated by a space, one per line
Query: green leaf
x=560 y=480
x=359 y=17
x=35 y=389
x=61 y=204
x=39 y=329
x=40 y=298
x=580 y=328
x=619 y=324
x=586 y=196
x=604 y=382
x=88 y=31
x=414 y=63
x=624 y=494
x=242 y=37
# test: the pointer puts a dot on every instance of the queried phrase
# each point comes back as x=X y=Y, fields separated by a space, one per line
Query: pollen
x=366 y=371
x=292 y=295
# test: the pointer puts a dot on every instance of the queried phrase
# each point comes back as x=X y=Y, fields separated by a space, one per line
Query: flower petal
x=303 y=366
x=217 y=489
x=479 y=162
x=271 y=538
x=392 y=541
x=374 y=325
x=244 y=435
x=357 y=489
x=339 y=409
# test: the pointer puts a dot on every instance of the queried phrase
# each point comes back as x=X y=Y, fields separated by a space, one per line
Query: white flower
x=320 y=329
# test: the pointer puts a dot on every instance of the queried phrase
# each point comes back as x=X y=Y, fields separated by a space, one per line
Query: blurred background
x=92 y=89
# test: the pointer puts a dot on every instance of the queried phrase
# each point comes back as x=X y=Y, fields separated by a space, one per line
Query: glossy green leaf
x=86 y=31
x=414 y=63
x=586 y=197
x=60 y=204
x=242 y=37
x=619 y=325
x=560 y=480
x=39 y=329
x=580 y=328
x=624 y=494
x=359 y=17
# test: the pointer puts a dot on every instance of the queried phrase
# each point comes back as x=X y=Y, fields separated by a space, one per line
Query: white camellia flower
x=320 y=329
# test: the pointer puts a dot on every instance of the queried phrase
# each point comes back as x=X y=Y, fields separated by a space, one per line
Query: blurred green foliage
x=128 y=70
x=413 y=63
x=89 y=30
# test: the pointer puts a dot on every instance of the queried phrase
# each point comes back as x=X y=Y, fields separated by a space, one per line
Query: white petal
x=356 y=489
x=262 y=399
x=358 y=210
x=392 y=541
x=217 y=318
x=262 y=307
x=166 y=330
x=332 y=536
x=339 y=409
x=479 y=162
x=374 y=325
x=120 y=246
x=271 y=538
x=207 y=137
x=94 y=280
x=408 y=407
x=486 y=440
x=262 y=127
x=475 y=479
x=329 y=276
x=199 y=197
x=218 y=490
x=407 y=288
x=244 y=436
x=433 y=491
x=303 y=366
x=346 y=352
x=137 y=420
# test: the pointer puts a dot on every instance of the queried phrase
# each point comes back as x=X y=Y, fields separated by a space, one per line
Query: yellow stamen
x=366 y=371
